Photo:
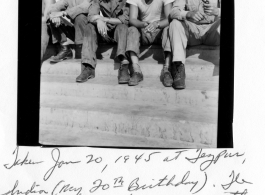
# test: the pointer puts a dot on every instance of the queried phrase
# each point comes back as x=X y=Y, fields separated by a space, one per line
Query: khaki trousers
x=184 y=33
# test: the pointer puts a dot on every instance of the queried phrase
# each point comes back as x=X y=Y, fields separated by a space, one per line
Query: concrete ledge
x=134 y=125
x=164 y=112
x=107 y=87
x=154 y=53
x=196 y=70
x=57 y=135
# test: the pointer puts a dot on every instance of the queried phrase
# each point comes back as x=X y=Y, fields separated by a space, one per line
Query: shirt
x=110 y=9
x=72 y=7
x=152 y=12
x=182 y=7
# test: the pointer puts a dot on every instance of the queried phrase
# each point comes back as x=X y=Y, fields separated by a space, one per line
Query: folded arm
x=134 y=18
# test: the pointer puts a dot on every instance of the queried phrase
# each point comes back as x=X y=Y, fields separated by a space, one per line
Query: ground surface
x=102 y=113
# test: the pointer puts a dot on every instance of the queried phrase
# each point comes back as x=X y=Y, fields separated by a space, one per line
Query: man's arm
x=162 y=23
x=211 y=9
x=47 y=4
x=83 y=8
x=178 y=12
x=133 y=18
x=57 y=7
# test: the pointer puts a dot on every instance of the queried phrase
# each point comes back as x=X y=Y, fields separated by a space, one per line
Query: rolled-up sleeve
x=93 y=11
x=83 y=8
x=178 y=10
x=124 y=17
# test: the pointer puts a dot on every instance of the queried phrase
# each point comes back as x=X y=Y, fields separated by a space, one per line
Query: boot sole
x=123 y=82
x=57 y=61
x=134 y=84
x=91 y=77
x=179 y=87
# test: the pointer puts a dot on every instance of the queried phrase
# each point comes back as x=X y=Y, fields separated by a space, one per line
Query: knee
x=175 y=24
x=122 y=27
x=132 y=31
x=90 y=29
x=80 y=19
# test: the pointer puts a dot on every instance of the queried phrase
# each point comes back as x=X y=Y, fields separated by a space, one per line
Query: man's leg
x=44 y=39
x=60 y=35
x=80 y=27
x=166 y=77
x=89 y=58
x=133 y=50
x=181 y=33
x=120 y=36
x=212 y=36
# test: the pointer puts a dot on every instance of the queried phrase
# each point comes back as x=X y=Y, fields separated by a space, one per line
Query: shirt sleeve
x=94 y=10
x=168 y=1
x=178 y=10
x=83 y=8
x=124 y=18
x=132 y=2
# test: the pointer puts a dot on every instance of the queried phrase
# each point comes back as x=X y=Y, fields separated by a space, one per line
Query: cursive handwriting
x=235 y=179
x=30 y=191
x=238 y=193
x=212 y=159
x=135 y=186
x=167 y=159
x=18 y=161
x=58 y=163
x=66 y=188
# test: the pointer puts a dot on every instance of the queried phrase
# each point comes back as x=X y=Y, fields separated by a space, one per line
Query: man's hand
x=151 y=27
x=57 y=14
x=195 y=16
x=102 y=27
x=210 y=9
x=56 y=21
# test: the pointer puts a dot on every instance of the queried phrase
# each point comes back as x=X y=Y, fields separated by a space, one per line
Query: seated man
x=111 y=27
x=67 y=20
x=194 y=22
x=44 y=30
x=149 y=20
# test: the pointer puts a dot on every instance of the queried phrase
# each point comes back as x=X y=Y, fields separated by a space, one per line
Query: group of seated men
x=131 y=23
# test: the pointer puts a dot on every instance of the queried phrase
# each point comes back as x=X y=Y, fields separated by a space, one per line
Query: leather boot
x=166 y=77
x=136 y=78
x=123 y=74
x=86 y=73
x=64 y=54
x=178 y=73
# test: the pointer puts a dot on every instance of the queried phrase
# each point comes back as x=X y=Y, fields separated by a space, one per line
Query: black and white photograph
x=130 y=73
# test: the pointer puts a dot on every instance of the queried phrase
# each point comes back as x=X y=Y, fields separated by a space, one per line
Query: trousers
x=61 y=33
x=138 y=37
x=183 y=33
x=90 y=43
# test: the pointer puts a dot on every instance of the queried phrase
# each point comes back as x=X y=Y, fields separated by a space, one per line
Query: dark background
x=29 y=47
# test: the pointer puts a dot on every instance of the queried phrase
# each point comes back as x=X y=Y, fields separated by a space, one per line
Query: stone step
x=57 y=135
x=197 y=93
x=196 y=69
x=197 y=125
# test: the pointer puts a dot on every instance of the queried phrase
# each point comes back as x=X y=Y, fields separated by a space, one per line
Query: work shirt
x=182 y=7
x=110 y=9
x=72 y=7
